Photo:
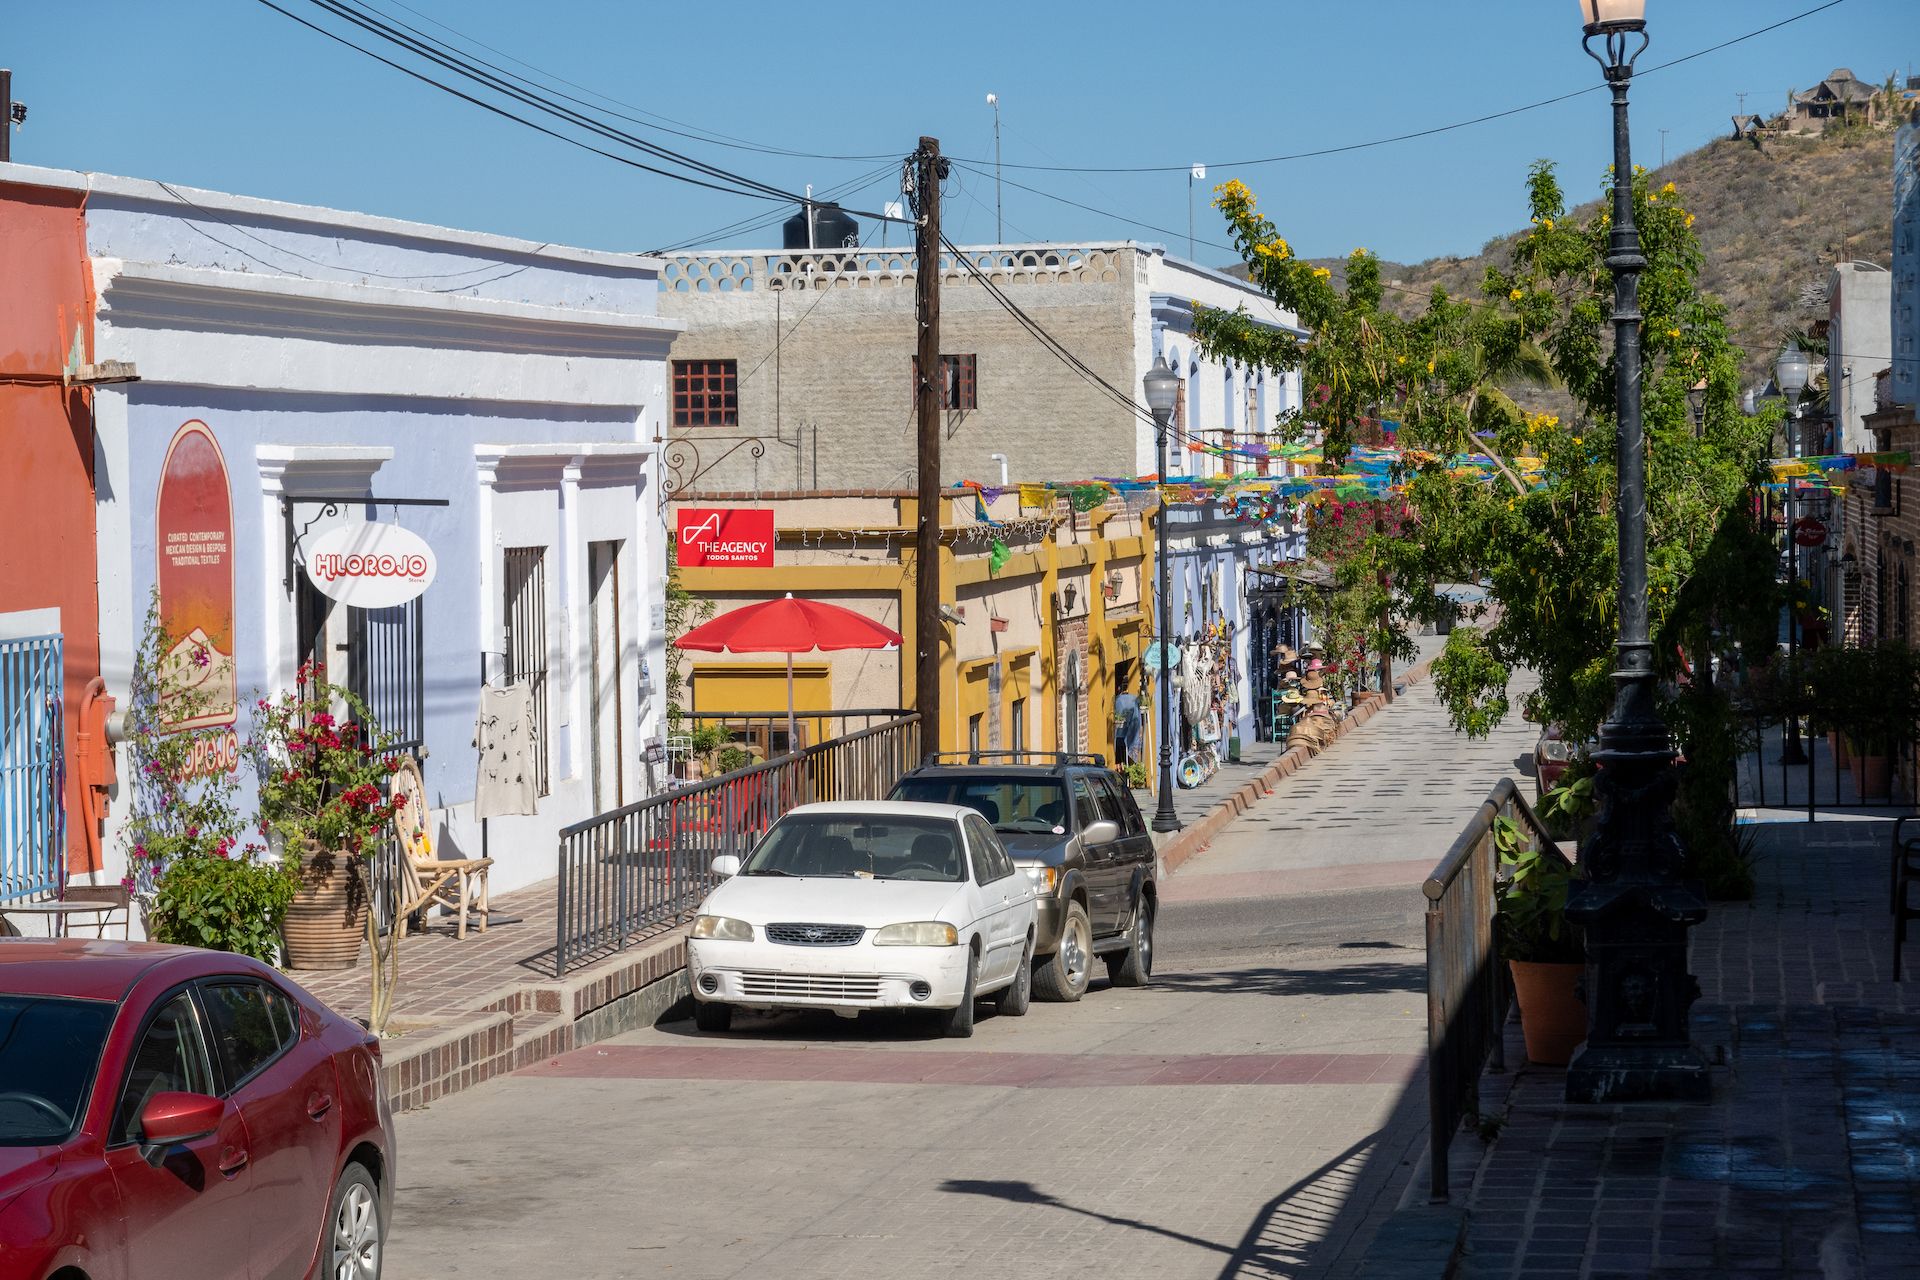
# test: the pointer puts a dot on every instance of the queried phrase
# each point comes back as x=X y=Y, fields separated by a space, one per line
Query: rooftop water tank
x=832 y=229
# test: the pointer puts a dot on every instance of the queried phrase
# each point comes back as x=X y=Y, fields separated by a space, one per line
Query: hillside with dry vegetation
x=1772 y=221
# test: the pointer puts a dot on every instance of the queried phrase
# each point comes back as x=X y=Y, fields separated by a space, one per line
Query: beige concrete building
x=796 y=371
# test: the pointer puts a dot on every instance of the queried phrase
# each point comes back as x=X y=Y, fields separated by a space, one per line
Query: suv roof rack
x=1040 y=758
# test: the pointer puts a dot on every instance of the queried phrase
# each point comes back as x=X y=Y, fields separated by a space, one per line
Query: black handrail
x=1468 y=993
x=646 y=864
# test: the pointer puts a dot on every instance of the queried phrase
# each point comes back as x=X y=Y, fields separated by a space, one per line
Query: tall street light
x=1163 y=391
x=1630 y=901
x=1791 y=369
x=999 y=235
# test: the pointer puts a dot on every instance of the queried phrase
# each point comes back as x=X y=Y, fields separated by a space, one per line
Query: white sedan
x=866 y=905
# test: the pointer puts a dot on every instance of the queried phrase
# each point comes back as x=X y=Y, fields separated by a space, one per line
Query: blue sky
x=230 y=95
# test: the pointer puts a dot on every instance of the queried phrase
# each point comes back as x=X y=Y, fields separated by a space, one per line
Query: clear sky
x=229 y=95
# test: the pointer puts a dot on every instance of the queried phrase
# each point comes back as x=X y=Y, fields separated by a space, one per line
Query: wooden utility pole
x=928 y=169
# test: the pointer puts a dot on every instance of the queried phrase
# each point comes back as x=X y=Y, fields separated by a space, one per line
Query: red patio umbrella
x=788 y=626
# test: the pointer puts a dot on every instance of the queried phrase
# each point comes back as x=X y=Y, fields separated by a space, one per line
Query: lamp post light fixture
x=1697 y=401
x=1630 y=901
x=1791 y=370
x=1163 y=392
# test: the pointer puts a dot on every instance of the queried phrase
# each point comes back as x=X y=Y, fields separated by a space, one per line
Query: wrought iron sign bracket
x=331 y=505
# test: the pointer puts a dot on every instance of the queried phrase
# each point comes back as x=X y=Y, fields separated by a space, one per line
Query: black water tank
x=832 y=229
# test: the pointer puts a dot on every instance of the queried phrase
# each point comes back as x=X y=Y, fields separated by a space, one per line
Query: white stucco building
x=499 y=399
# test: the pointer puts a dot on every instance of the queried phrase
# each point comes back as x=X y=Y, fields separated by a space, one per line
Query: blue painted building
x=500 y=399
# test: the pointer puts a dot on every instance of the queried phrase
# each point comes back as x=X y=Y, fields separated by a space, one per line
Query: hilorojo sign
x=371 y=566
x=736 y=536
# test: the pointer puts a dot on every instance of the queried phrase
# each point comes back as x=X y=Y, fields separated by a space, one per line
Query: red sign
x=1809 y=532
x=193 y=547
x=733 y=537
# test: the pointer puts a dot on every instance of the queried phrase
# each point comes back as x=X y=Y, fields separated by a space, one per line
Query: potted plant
x=1543 y=950
x=322 y=800
x=1869 y=694
x=192 y=878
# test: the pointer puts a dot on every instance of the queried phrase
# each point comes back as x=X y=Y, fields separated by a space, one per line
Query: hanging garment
x=504 y=735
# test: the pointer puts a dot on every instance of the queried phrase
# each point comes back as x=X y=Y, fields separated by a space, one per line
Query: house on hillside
x=1841 y=97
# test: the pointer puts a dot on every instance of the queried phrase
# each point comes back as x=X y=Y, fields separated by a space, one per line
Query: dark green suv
x=1073 y=828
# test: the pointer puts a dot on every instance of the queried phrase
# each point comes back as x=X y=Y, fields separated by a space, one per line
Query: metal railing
x=1764 y=779
x=632 y=870
x=32 y=809
x=765 y=732
x=1468 y=994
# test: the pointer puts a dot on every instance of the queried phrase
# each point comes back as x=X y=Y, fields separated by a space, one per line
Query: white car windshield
x=869 y=848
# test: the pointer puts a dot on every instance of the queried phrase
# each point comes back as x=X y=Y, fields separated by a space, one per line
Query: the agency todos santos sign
x=370 y=566
x=741 y=537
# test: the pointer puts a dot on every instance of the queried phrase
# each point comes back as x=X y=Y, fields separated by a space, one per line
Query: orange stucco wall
x=46 y=432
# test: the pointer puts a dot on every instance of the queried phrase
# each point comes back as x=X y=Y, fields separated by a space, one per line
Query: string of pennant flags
x=1835 y=470
x=1251 y=494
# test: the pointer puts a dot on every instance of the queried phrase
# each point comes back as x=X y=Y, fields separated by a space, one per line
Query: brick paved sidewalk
x=1806 y=1163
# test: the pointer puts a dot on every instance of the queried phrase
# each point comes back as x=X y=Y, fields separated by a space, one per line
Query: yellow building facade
x=1033 y=649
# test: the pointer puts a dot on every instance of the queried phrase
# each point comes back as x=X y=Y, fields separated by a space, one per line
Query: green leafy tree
x=1536 y=525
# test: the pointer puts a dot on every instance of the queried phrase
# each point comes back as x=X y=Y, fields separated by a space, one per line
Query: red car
x=166 y=1111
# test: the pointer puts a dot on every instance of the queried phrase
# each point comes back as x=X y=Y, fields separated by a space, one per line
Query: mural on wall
x=193 y=540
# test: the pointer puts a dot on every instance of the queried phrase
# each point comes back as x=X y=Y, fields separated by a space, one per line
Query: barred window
x=706 y=393
x=959 y=385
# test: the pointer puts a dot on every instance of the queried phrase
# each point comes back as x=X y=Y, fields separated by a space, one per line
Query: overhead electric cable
x=343 y=9
x=1422 y=133
x=697 y=134
x=753 y=187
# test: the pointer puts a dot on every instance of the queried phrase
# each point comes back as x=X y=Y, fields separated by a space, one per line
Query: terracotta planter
x=327 y=921
x=1873 y=775
x=1837 y=743
x=1552 y=1015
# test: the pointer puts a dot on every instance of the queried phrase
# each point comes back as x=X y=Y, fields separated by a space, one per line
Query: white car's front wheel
x=957 y=1023
x=709 y=1015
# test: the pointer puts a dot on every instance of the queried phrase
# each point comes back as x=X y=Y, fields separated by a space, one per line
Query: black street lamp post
x=1163 y=390
x=1630 y=901
x=1790 y=372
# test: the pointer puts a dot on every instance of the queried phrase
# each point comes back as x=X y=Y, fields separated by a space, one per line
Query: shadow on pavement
x=1272 y=980
x=1297 y=1233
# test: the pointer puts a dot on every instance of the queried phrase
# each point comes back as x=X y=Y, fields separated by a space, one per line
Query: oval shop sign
x=371 y=566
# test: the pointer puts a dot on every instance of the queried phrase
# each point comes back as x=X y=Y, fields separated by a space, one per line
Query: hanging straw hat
x=1285 y=653
x=1316 y=665
x=1291 y=677
x=1292 y=696
x=1313 y=682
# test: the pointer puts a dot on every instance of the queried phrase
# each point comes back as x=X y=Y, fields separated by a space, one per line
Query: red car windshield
x=49 y=1049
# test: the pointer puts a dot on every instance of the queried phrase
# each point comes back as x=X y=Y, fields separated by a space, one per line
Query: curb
x=1200 y=834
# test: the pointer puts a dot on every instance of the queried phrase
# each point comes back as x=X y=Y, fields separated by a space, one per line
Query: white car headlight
x=1556 y=751
x=1043 y=877
x=919 y=933
x=723 y=928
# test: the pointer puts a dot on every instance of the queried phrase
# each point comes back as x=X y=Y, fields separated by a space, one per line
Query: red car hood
x=22 y=1167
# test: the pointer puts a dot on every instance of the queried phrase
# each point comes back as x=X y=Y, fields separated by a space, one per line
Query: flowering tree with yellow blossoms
x=1536 y=528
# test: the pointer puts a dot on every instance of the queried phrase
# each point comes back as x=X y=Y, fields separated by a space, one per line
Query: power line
x=459 y=66
x=1422 y=133
x=508 y=115
x=753 y=187
x=698 y=134
x=758 y=221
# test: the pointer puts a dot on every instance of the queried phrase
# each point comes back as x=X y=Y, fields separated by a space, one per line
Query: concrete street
x=1248 y=1115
